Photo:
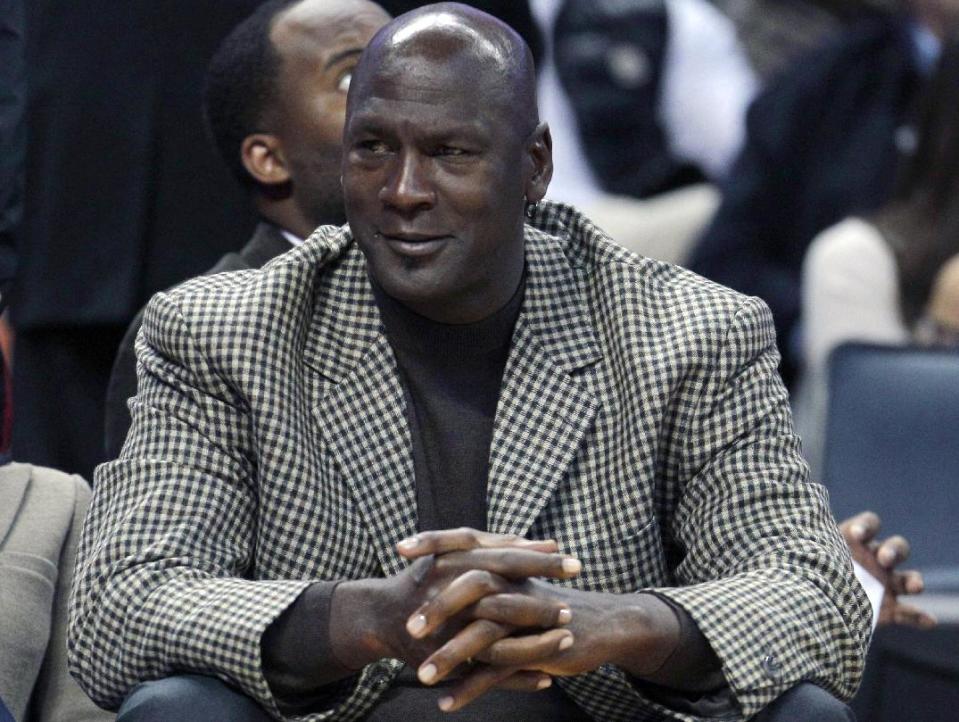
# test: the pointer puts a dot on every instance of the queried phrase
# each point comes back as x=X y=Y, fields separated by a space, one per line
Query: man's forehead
x=429 y=116
x=455 y=78
x=433 y=98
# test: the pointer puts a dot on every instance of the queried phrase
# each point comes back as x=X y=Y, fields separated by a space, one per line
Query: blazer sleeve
x=764 y=571
x=162 y=581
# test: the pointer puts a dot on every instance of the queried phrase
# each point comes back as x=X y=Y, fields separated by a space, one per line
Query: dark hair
x=241 y=84
x=921 y=223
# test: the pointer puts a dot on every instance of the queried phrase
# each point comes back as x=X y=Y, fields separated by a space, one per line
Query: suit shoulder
x=657 y=305
x=282 y=288
x=659 y=287
x=636 y=289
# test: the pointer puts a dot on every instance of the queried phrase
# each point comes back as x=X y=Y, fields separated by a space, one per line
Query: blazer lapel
x=544 y=409
x=361 y=410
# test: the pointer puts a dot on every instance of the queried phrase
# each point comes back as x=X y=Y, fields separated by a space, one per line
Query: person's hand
x=881 y=559
x=374 y=618
x=636 y=631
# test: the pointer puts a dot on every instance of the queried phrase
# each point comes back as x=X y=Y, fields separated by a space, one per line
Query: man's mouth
x=414 y=244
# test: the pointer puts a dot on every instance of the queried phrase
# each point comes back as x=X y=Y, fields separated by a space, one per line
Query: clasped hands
x=475 y=606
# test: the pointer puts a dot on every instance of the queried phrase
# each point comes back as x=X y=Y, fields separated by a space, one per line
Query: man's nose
x=409 y=187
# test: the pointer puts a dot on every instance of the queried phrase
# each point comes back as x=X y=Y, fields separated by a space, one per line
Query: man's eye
x=343 y=84
x=376 y=147
x=450 y=150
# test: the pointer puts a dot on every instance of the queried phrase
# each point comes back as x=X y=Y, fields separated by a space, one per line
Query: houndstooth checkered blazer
x=641 y=423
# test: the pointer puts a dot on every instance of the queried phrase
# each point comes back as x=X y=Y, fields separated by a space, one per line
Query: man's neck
x=287 y=217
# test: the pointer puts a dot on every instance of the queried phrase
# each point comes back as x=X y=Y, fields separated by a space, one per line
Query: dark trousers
x=209 y=700
x=59 y=391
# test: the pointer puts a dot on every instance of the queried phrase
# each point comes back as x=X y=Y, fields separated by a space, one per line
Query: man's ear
x=539 y=150
x=263 y=158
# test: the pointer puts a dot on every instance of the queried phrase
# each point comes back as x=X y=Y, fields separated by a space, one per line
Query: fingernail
x=565 y=616
x=446 y=703
x=572 y=566
x=409 y=543
x=565 y=643
x=416 y=625
x=858 y=530
x=544 y=683
x=427 y=673
x=887 y=556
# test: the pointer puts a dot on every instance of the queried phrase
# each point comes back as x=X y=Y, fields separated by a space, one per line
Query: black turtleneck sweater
x=451 y=376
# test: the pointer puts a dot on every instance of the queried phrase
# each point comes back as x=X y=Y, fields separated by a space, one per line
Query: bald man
x=463 y=454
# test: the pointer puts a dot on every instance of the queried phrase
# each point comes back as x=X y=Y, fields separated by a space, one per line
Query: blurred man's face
x=433 y=176
x=319 y=43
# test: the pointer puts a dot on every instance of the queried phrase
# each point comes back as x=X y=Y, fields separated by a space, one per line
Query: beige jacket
x=41 y=511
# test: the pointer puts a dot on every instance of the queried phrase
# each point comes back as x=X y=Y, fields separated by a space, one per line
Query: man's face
x=433 y=178
x=319 y=43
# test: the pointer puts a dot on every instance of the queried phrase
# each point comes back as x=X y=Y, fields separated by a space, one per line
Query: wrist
x=644 y=633
x=356 y=638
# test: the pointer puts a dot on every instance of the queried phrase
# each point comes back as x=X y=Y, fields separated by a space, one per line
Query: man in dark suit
x=275 y=99
x=123 y=196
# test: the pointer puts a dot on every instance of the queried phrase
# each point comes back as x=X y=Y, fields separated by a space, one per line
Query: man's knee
x=203 y=698
x=806 y=701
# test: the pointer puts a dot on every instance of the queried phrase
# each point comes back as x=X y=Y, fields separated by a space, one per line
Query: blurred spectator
x=41 y=511
x=940 y=323
x=880 y=559
x=823 y=142
x=893 y=276
x=776 y=32
x=275 y=98
x=658 y=89
x=12 y=145
x=123 y=197
x=603 y=172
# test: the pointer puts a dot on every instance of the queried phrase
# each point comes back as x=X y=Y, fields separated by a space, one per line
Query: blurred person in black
x=275 y=100
x=123 y=196
x=12 y=142
x=12 y=135
x=823 y=142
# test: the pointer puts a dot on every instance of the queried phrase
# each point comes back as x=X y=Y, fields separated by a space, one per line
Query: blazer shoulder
x=657 y=308
x=657 y=287
x=278 y=293
x=627 y=291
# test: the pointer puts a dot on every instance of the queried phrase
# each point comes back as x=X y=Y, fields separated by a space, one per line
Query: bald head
x=442 y=154
x=468 y=44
